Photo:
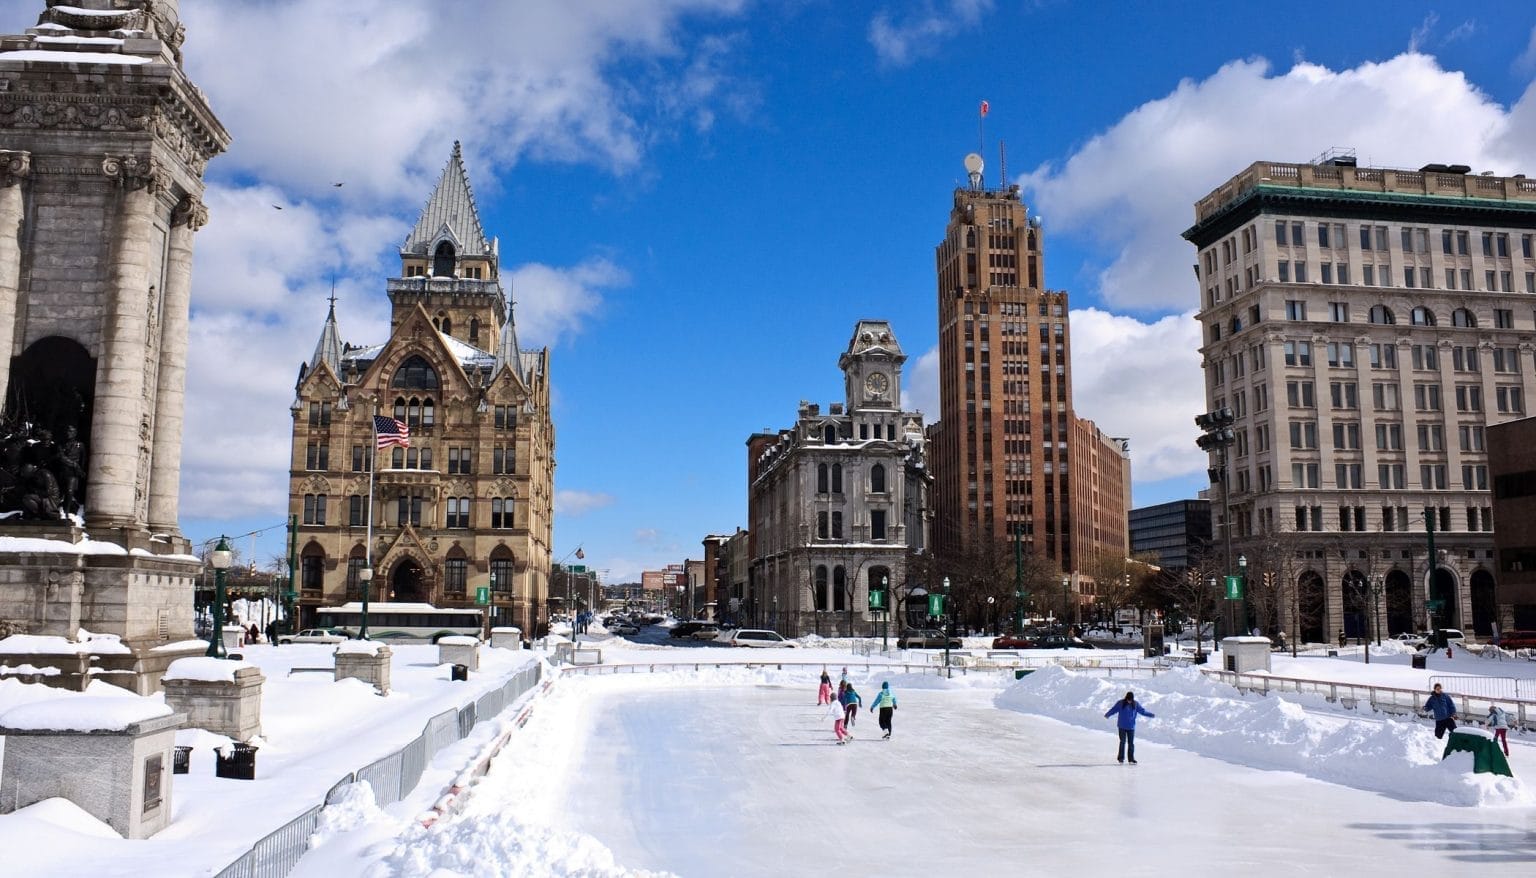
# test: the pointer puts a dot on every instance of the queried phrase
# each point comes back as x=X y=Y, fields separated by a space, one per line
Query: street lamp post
x=1241 y=627
x=1018 y=580
x=1066 y=585
x=365 y=575
x=220 y=558
x=885 y=617
x=1377 y=587
x=947 y=671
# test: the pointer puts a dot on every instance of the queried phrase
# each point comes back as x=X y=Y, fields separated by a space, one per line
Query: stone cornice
x=15 y=165
x=134 y=172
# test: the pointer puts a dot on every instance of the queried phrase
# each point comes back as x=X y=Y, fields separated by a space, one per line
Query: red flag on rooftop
x=984 y=108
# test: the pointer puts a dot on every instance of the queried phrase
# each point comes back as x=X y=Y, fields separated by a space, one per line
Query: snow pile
x=205 y=669
x=352 y=807
x=41 y=644
x=1198 y=714
x=502 y=846
x=66 y=815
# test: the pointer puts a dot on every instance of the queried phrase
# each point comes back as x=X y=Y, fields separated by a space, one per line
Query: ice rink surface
x=747 y=781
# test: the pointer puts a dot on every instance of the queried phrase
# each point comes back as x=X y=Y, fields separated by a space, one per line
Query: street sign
x=935 y=605
x=578 y=568
x=483 y=596
x=1234 y=588
x=876 y=599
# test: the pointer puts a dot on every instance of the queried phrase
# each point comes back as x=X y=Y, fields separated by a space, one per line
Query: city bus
x=402 y=622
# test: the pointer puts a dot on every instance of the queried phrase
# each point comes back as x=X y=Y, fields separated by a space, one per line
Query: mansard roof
x=450 y=213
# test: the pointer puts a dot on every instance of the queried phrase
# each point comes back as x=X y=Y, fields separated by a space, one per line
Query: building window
x=317 y=456
x=877 y=479
x=821 y=525
x=1381 y=314
x=312 y=574
x=1295 y=309
x=1503 y=318
x=821 y=587
x=1511 y=399
x=1460 y=317
x=1432 y=476
x=314 y=509
x=460 y=461
x=1298 y=353
x=458 y=512
x=821 y=478
x=501 y=512
x=1384 y=356
x=408 y=510
x=415 y=374
x=501 y=575
x=837 y=478
x=503 y=459
x=837 y=525
x=455 y=575
x=505 y=417
x=356 y=511
x=1426 y=397
x=1391 y=476
x=319 y=414
x=359 y=458
x=1341 y=354
x=839 y=588
x=1389 y=437
x=877 y=524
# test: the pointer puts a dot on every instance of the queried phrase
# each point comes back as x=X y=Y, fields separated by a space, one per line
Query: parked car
x=925 y=638
x=706 y=631
x=685 y=629
x=1013 y=641
x=1061 y=641
x=622 y=626
x=314 y=635
x=754 y=637
x=1410 y=639
x=1518 y=640
x=1441 y=638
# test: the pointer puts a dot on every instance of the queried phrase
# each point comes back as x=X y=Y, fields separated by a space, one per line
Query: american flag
x=391 y=432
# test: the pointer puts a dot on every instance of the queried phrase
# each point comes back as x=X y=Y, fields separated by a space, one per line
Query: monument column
x=14 y=167
x=120 y=424
x=165 y=468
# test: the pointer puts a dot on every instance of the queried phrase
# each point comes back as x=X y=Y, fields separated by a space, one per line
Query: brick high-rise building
x=1011 y=456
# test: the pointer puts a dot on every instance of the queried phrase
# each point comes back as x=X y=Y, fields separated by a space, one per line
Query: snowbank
x=502 y=846
x=360 y=647
x=1198 y=714
x=41 y=644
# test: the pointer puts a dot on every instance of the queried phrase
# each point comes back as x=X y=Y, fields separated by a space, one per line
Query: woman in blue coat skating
x=1125 y=711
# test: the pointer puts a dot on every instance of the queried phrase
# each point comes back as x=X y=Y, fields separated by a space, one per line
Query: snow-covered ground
x=701 y=765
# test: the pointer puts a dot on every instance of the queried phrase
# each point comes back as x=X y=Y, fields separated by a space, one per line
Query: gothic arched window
x=447 y=326
x=474 y=330
x=877 y=479
x=415 y=374
x=443 y=260
x=821 y=587
x=821 y=478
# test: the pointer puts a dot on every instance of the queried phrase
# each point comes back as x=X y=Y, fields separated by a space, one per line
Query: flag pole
x=373 y=459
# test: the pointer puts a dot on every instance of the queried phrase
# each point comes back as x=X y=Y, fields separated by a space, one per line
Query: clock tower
x=872 y=367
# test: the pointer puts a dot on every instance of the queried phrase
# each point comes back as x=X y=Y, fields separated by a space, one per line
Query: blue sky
x=696 y=200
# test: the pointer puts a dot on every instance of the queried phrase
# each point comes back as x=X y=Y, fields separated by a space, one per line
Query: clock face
x=877 y=383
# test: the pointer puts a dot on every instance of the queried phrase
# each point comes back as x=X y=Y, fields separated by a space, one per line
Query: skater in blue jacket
x=1125 y=711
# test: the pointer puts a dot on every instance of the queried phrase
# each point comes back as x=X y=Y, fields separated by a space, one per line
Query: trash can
x=181 y=760
x=1200 y=658
x=460 y=672
x=1420 y=662
x=239 y=764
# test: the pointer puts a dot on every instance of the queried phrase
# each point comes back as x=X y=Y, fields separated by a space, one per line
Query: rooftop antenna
x=981 y=117
x=973 y=166
x=1002 y=155
x=333 y=292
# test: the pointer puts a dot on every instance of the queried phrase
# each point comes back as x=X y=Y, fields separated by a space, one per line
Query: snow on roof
x=89 y=13
x=458 y=640
x=359 y=647
x=466 y=354
x=79 y=41
x=206 y=669
x=74 y=57
x=86 y=713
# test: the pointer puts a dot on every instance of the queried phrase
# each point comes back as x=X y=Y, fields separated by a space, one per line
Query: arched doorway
x=1399 y=598
x=1356 y=604
x=1484 y=613
x=406 y=582
x=1443 y=611
x=1310 y=608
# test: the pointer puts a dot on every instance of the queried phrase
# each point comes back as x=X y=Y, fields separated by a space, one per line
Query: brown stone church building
x=469 y=503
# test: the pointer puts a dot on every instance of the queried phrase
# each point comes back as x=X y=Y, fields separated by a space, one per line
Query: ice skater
x=824 y=692
x=840 y=729
x=1125 y=711
x=1498 y=723
x=1443 y=709
x=885 y=702
x=851 y=702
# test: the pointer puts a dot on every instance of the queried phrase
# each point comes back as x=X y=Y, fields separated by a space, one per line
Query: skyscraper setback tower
x=1011 y=455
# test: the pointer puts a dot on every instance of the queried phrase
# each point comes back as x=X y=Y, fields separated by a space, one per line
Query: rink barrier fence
x=392 y=778
x=1471 y=705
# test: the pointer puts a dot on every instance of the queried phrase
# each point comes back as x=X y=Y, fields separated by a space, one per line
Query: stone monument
x=105 y=142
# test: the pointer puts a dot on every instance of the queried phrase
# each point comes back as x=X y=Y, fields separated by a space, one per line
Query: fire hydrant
x=1448 y=651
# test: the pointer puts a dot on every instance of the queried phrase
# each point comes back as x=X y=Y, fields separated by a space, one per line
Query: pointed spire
x=450 y=211
x=328 y=349
x=507 y=353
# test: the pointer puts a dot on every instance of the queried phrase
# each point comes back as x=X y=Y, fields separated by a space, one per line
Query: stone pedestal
x=459 y=651
x=234 y=638
x=120 y=774
x=1245 y=654
x=218 y=695
x=507 y=638
x=364 y=660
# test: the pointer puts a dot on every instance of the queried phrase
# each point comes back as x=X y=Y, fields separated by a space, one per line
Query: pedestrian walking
x=824 y=691
x=885 y=702
x=1498 y=723
x=1125 y=711
x=1443 y=708
x=851 y=702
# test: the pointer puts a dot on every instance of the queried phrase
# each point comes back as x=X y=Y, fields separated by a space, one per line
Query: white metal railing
x=1385 y=699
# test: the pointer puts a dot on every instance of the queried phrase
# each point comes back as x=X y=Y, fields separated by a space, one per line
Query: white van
x=755 y=637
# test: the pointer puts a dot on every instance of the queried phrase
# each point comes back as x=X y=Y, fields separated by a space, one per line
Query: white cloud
x=922 y=31
x=922 y=391
x=575 y=503
x=1526 y=63
x=552 y=302
x=1131 y=189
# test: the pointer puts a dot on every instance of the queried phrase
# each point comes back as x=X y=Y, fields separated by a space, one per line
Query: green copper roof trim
x=1358 y=196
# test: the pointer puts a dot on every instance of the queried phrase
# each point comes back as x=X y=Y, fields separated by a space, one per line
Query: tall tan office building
x=470 y=503
x=1011 y=454
x=1365 y=326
